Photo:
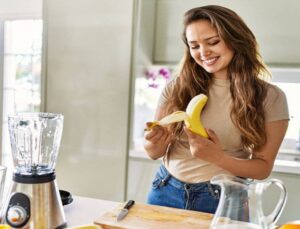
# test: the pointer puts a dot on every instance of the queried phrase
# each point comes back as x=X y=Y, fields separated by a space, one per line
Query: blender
x=34 y=201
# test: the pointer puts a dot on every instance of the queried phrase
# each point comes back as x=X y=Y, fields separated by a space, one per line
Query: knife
x=125 y=210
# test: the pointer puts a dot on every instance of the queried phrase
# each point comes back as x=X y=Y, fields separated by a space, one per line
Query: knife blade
x=125 y=210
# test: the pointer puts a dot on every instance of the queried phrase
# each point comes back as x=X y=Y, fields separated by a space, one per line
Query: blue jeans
x=169 y=191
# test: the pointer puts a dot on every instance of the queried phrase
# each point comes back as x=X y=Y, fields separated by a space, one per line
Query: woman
x=245 y=117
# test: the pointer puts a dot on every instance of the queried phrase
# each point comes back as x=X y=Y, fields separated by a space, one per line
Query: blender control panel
x=18 y=211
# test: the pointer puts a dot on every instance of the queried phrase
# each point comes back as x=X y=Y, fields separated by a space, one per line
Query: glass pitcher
x=35 y=140
x=240 y=203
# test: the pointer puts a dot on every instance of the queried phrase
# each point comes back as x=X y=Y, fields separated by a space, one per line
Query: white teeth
x=210 y=60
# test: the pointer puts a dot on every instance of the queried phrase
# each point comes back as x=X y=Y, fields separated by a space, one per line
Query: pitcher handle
x=274 y=216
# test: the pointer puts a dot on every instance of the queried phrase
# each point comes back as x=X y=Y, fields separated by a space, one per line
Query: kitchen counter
x=85 y=210
x=287 y=166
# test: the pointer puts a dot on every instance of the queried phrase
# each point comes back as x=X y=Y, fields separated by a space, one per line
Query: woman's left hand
x=208 y=149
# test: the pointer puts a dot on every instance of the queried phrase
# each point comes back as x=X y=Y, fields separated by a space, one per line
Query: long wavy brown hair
x=245 y=71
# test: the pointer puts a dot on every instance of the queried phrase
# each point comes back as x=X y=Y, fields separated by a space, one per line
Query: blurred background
x=103 y=64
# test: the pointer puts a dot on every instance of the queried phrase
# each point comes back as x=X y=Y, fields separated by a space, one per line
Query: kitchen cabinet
x=141 y=172
x=87 y=69
x=292 y=184
x=274 y=24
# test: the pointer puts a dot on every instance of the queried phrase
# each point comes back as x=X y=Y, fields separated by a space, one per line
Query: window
x=148 y=87
x=21 y=73
x=147 y=93
x=288 y=79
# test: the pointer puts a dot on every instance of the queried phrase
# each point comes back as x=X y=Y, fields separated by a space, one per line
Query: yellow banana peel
x=191 y=116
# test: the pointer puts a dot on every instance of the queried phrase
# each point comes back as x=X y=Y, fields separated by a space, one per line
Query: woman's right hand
x=157 y=141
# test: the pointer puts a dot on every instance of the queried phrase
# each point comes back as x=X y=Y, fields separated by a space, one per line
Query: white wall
x=274 y=24
x=13 y=9
x=87 y=60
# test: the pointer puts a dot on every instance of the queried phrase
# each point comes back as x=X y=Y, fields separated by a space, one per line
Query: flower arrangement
x=153 y=76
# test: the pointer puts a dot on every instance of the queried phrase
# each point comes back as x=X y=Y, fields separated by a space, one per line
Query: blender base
x=34 y=206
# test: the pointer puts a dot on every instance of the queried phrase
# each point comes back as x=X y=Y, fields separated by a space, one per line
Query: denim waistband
x=201 y=186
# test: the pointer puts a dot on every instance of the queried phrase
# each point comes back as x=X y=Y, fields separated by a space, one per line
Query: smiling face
x=208 y=49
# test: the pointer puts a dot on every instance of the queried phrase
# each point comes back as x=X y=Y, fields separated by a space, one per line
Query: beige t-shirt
x=216 y=116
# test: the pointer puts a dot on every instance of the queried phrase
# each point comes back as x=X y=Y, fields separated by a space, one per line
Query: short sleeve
x=166 y=93
x=276 y=106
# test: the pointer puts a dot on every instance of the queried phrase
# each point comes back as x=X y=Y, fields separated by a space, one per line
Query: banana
x=191 y=116
x=193 y=110
x=177 y=116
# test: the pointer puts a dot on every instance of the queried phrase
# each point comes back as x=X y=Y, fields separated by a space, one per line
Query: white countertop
x=284 y=166
x=84 y=210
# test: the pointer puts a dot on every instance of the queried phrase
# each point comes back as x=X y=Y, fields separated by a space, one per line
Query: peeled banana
x=177 y=116
x=191 y=116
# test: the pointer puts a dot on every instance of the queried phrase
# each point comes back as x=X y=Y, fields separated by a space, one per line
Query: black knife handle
x=129 y=204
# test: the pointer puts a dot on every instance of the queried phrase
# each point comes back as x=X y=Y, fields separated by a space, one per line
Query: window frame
x=2 y=45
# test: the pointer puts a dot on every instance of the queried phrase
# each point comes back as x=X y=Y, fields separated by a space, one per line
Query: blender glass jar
x=35 y=140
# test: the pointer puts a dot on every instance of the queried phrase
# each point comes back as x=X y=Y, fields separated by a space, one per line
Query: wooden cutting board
x=144 y=216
